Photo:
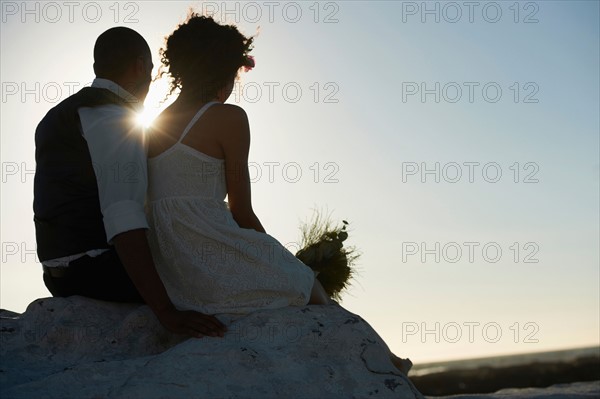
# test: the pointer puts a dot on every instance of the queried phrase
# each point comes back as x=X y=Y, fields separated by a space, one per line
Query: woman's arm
x=235 y=140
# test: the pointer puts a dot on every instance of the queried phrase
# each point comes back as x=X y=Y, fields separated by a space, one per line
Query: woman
x=214 y=257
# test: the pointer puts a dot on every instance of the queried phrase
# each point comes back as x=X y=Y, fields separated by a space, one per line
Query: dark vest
x=66 y=207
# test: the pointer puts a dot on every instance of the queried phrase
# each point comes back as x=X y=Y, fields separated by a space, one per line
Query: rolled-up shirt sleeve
x=118 y=153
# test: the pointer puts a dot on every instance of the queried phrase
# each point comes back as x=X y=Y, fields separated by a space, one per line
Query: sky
x=461 y=143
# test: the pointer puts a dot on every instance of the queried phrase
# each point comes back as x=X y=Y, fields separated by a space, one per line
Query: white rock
x=83 y=348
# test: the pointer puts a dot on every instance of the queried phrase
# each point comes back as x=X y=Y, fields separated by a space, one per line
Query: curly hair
x=204 y=56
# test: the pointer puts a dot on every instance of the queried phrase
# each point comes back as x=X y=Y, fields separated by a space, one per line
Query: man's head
x=123 y=56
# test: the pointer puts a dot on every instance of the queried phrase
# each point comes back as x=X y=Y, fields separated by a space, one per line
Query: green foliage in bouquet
x=323 y=251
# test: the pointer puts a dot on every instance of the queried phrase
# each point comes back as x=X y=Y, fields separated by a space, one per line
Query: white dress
x=205 y=260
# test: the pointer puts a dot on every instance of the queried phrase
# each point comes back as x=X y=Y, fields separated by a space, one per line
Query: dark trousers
x=102 y=277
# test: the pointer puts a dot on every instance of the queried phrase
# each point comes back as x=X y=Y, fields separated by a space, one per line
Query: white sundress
x=205 y=260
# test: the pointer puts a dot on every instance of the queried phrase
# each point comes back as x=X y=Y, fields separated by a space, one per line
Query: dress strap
x=195 y=119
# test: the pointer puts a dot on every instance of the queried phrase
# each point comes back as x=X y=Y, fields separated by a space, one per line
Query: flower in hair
x=250 y=63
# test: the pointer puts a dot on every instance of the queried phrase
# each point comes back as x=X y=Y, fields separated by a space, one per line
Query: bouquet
x=323 y=251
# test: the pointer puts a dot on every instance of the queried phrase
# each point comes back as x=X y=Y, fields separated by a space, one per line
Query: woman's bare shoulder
x=232 y=112
x=230 y=120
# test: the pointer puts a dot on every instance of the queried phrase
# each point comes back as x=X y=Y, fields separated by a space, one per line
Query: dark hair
x=116 y=49
x=203 y=56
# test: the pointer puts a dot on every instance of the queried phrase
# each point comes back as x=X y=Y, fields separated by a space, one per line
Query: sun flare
x=154 y=105
x=145 y=118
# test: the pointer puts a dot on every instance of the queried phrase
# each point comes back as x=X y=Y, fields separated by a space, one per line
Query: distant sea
x=504 y=361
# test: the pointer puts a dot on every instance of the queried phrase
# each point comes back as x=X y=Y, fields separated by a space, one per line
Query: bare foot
x=404 y=365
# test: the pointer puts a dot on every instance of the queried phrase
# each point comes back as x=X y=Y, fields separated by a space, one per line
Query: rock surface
x=83 y=348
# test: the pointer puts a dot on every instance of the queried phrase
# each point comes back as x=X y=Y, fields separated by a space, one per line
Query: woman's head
x=204 y=57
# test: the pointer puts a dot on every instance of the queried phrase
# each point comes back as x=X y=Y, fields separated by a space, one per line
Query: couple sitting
x=131 y=217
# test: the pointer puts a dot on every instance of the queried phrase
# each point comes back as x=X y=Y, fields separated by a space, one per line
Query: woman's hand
x=188 y=322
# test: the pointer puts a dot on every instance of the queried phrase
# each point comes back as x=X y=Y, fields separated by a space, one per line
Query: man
x=90 y=185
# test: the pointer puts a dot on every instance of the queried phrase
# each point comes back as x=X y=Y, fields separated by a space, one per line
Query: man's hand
x=134 y=252
x=191 y=323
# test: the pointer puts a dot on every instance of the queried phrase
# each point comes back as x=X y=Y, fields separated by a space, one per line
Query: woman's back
x=173 y=123
x=176 y=165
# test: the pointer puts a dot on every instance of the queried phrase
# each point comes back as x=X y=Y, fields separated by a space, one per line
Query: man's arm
x=134 y=252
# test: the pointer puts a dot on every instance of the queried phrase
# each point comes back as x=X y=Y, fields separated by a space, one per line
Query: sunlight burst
x=155 y=102
x=145 y=118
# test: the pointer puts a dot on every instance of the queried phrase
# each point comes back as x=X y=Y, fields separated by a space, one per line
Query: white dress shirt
x=118 y=152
